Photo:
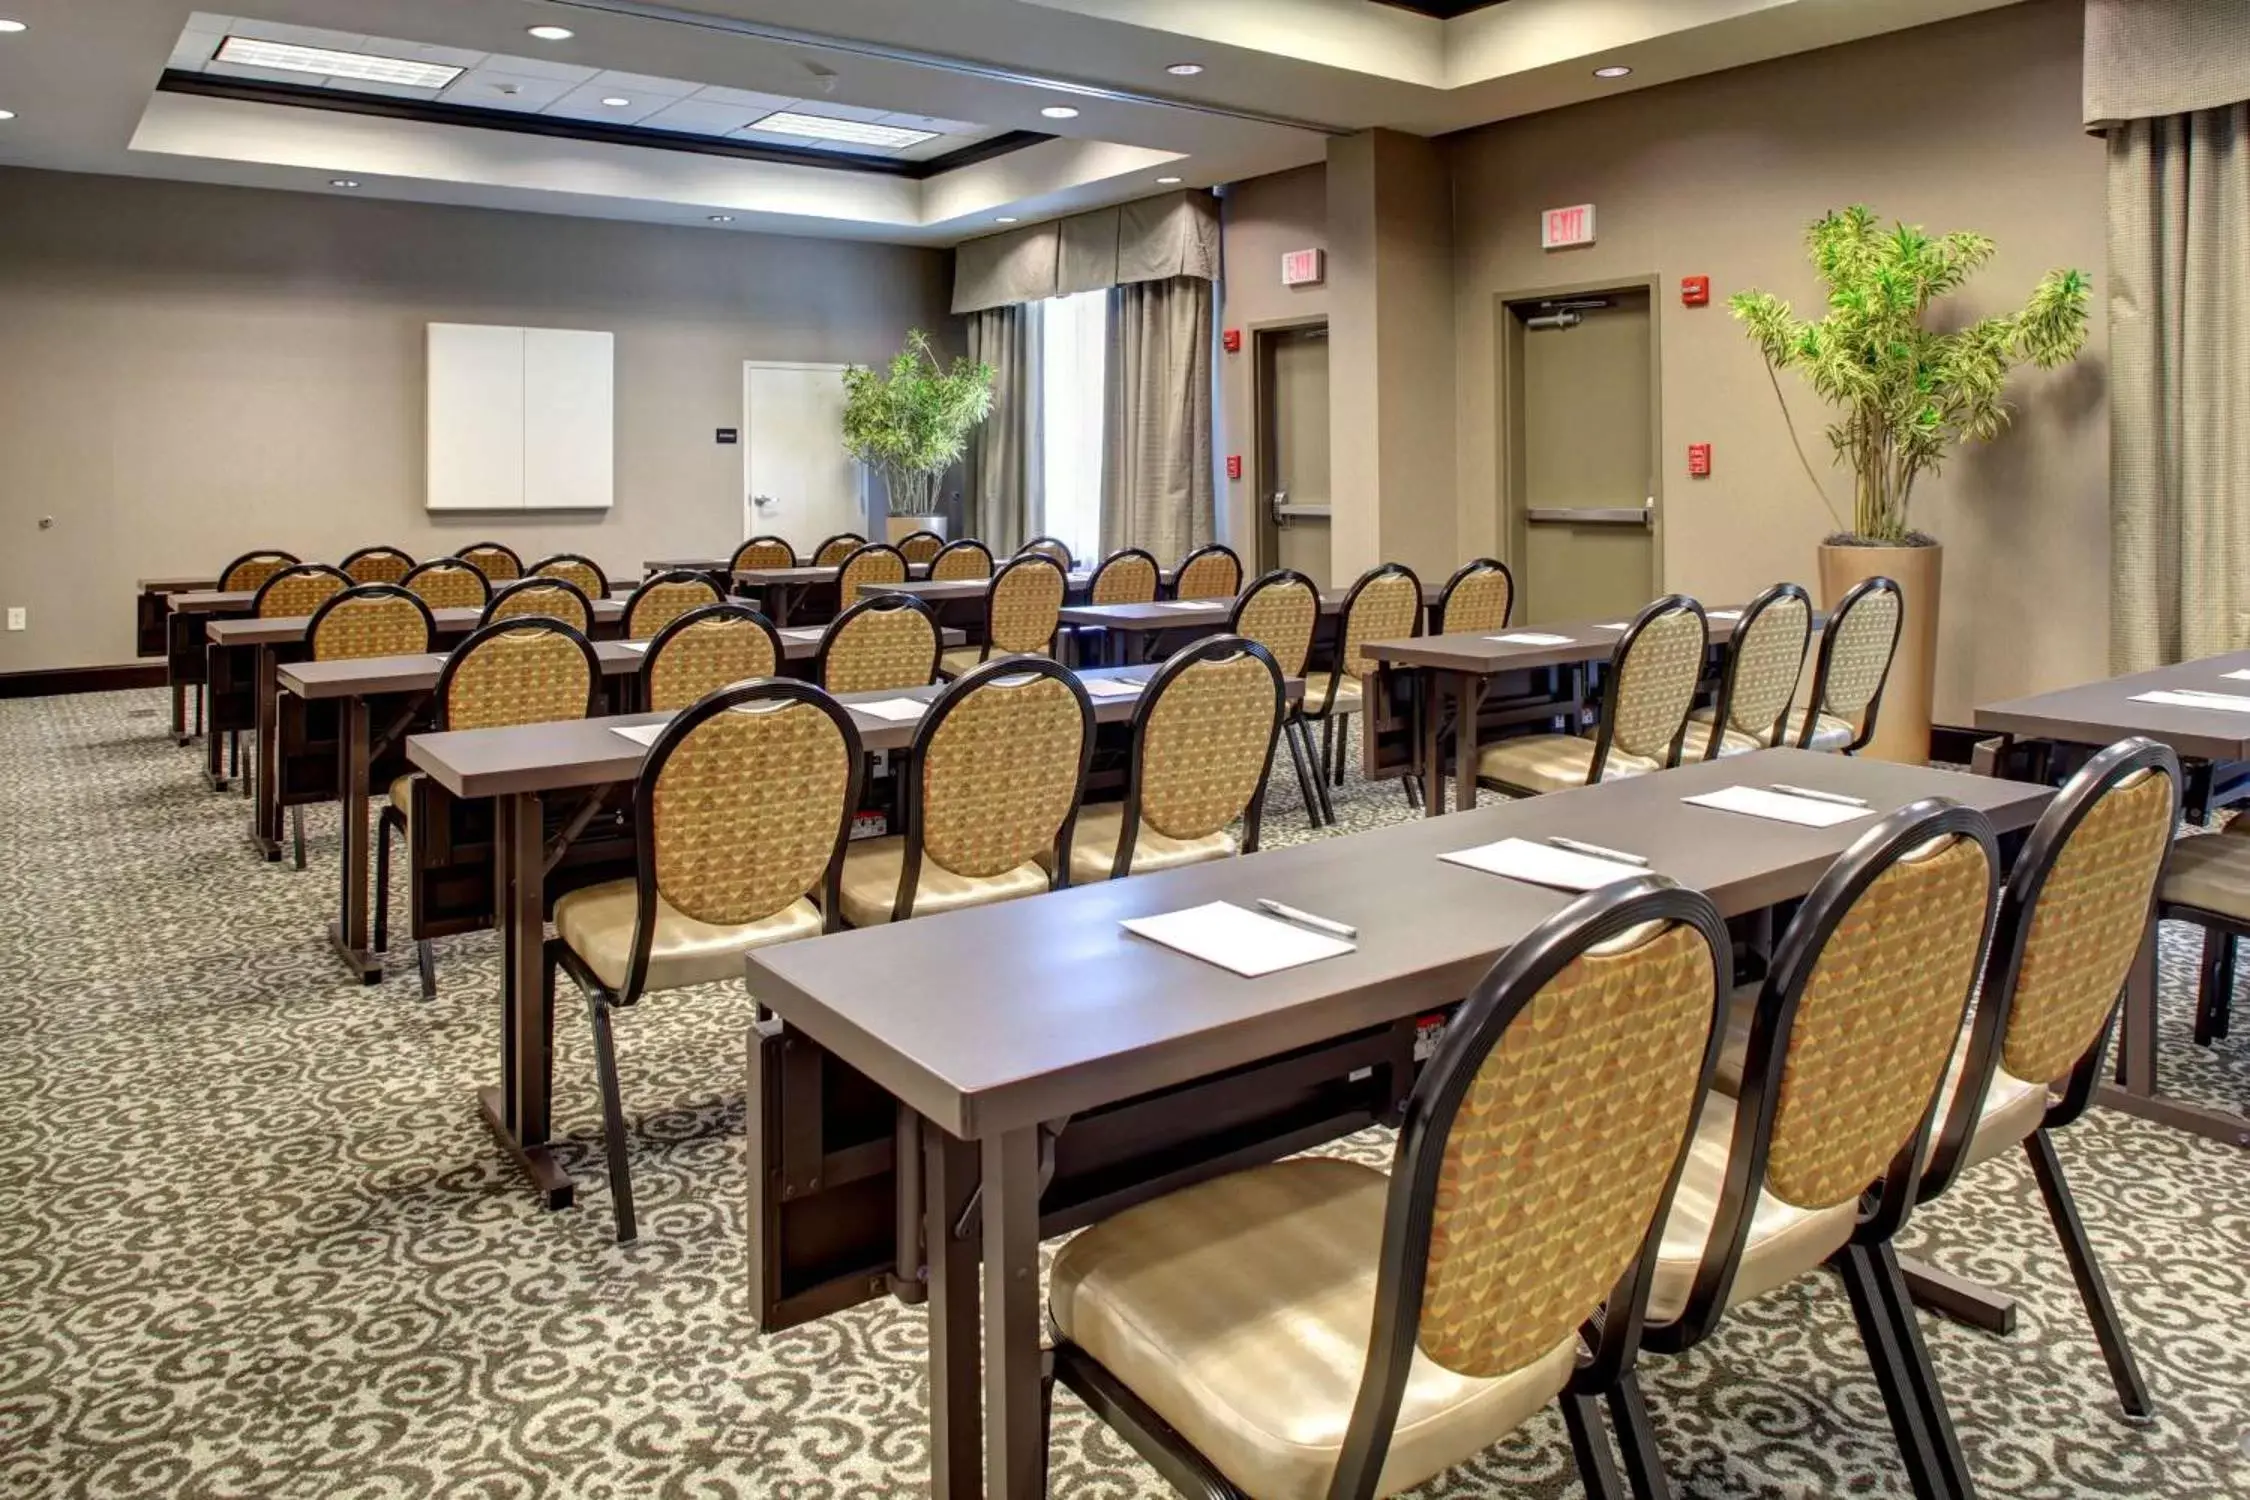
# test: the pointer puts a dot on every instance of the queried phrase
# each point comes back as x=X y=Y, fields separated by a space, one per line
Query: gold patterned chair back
x=378 y=565
x=448 y=583
x=879 y=644
x=582 y=573
x=1766 y=658
x=544 y=598
x=764 y=552
x=921 y=547
x=748 y=808
x=1279 y=611
x=1050 y=548
x=297 y=591
x=831 y=553
x=708 y=649
x=1386 y=605
x=874 y=563
x=1856 y=654
x=1212 y=572
x=967 y=558
x=517 y=672
x=1128 y=576
x=497 y=563
x=1001 y=770
x=1025 y=606
x=370 y=619
x=1653 y=678
x=1479 y=597
x=1557 y=1161
x=1206 y=739
x=247 y=573
x=664 y=598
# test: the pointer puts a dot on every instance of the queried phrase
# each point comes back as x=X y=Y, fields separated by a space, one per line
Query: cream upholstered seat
x=1093 y=846
x=1764 y=662
x=888 y=641
x=1022 y=610
x=597 y=921
x=2212 y=874
x=1653 y=674
x=1325 y=694
x=1829 y=733
x=871 y=874
x=663 y=598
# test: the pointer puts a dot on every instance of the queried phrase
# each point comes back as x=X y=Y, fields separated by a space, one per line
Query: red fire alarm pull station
x=1699 y=460
x=1231 y=340
x=1695 y=291
x=1234 y=466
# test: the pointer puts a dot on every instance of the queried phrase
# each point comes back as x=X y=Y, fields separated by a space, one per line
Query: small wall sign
x=730 y=435
x=1561 y=228
x=1304 y=268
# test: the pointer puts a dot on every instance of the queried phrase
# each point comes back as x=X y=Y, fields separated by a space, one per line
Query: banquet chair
x=553 y=598
x=1209 y=572
x=876 y=563
x=1049 y=547
x=1384 y=604
x=1480 y=595
x=879 y=644
x=1127 y=576
x=966 y=558
x=921 y=546
x=1280 y=611
x=1022 y=610
x=763 y=552
x=832 y=552
x=1644 y=714
x=378 y=565
x=1848 y=674
x=663 y=598
x=448 y=583
x=497 y=561
x=365 y=620
x=1760 y=677
x=582 y=571
x=707 y=649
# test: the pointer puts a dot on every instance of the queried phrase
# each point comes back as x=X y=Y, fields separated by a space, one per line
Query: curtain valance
x=2148 y=58
x=1153 y=239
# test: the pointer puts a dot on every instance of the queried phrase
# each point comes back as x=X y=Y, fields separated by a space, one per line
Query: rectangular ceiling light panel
x=359 y=67
x=850 y=132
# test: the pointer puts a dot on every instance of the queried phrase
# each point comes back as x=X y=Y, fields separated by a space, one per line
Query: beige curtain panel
x=1005 y=455
x=2179 y=326
x=1155 y=239
x=1156 y=459
x=2150 y=58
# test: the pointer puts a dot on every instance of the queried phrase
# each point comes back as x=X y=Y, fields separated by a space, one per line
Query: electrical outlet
x=17 y=618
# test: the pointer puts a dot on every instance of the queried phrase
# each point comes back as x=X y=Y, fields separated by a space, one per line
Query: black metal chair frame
x=1213 y=648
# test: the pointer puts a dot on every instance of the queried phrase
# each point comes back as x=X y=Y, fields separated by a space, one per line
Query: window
x=1074 y=341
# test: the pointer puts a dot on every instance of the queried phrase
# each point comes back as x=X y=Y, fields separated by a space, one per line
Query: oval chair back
x=663 y=598
x=529 y=671
x=378 y=565
x=1280 y=610
x=1126 y=576
x=1855 y=659
x=1209 y=572
x=877 y=563
x=880 y=644
x=1596 y=1036
x=371 y=619
x=966 y=558
x=298 y=590
x=1653 y=672
x=999 y=764
x=497 y=561
x=1480 y=596
x=1384 y=605
x=707 y=649
x=246 y=573
x=1763 y=665
x=1203 y=736
x=1023 y=608
x=921 y=546
x=763 y=552
x=1051 y=548
x=583 y=572
x=448 y=583
x=831 y=553
x=543 y=598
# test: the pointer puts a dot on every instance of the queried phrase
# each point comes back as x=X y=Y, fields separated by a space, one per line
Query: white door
x=797 y=482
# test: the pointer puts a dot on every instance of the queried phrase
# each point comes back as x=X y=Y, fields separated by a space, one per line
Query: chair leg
x=1936 y=1418
x=1320 y=781
x=1289 y=732
x=2207 y=988
x=1886 y=1354
x=199 y=710
x=1411 y=785
x=613 y=1117
x=2093 y=1290
x=383 y=883
x=1597 y=1471
x=2224 y=1010
x=1342 y=751
x=297 y=831
x=1636 y=1435
x=425 y=959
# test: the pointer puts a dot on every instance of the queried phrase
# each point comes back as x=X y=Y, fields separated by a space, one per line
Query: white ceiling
x=1280 y=77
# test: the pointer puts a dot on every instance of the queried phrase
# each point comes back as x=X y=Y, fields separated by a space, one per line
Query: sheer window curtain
x=1006 y=507
x=1157 y=489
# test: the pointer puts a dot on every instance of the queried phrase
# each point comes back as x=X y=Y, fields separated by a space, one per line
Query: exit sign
x=1560 y=228
x=1303 y=267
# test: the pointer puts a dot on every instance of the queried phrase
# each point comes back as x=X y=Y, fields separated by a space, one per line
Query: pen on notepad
x=1307 y=919
x=1806 y=791
x=1598 y=851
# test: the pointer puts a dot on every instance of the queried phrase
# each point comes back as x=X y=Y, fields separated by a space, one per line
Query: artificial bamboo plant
x=911 y=422
x=1907 y=392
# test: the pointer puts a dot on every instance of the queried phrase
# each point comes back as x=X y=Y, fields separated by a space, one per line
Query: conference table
x=151 y=634
x=2045 y=733
x=1133 y=630
x=518 y=769
x=991 y=1025
x=784 y=590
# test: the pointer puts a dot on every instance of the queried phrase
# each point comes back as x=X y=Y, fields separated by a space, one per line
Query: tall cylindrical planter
x=897 y=529
x=1902 y=729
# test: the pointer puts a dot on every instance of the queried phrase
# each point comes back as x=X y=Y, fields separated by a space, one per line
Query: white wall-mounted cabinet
x=521 y=418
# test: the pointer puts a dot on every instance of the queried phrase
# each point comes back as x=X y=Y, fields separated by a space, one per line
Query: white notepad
x=640 y=734
x=1779 y=807
x=636 y=645
x=1236 y=938
x=2239 y=676
x=2230 y=703
x=806 y=632
x=1189 y=603
x=1722 y=614
x=1544 y=864
x=1615 y=625
x=1113 y=687
x=897 y=710
x=1530 y=638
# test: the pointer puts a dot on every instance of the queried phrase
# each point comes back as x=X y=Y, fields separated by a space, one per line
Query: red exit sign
x=1304 y=268
x=1560 y=228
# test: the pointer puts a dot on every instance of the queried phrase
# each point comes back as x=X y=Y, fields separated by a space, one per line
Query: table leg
x=214 y=758
x=1468 y=698
x=956 y=1404
x=2136 y=1092
x=1433 y=742
x=1957 y=1297
x=348 y=933
x=520 y=1112
x=179 y=712
x=1015 y=1465
x=265 y=785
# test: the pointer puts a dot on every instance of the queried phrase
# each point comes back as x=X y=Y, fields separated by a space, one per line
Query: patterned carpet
x=253 y=1240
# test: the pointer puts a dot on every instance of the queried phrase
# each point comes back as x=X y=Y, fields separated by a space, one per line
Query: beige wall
x=187 y=372
x=1973 y=124
x=1262 y=219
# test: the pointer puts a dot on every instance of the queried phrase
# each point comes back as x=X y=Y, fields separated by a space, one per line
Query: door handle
x=1591 y=515
x=1280 y=503
x=762 y=502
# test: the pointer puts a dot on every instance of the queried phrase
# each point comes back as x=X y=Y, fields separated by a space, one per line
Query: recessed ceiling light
x=11 y=27
x=1059 y=112
x=722 y=218
x=1184 y=70
x=361 y=67
x=617 y=101
x=553 y=33
x=7 y=114
x=1005 y=219
x=850 y=132
x=1167 y=181
x=343 y=182
x=1614 y=70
